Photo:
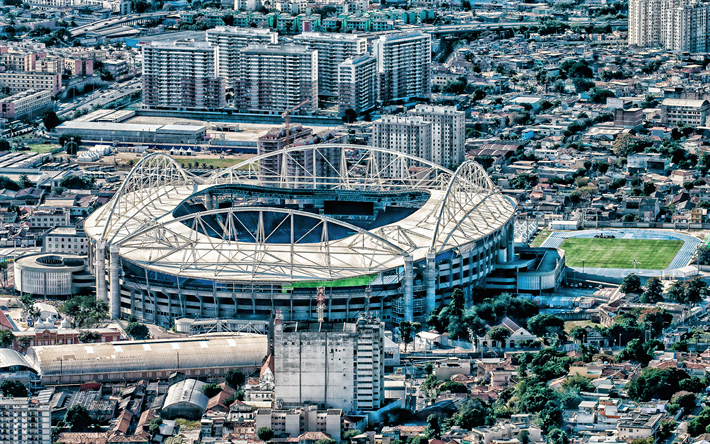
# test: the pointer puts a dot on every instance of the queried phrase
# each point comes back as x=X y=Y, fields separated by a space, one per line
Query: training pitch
x=650 y=254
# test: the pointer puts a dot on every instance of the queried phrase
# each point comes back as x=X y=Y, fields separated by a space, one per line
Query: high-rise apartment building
x=340 y=365
x=409 y=135
x=333 y=49
x=403 y=65
x=182 y=75
x=276 y=78
x=677 y=25
x=448 y=133
x=229 y=40
x=357 y=84
x=24 y=421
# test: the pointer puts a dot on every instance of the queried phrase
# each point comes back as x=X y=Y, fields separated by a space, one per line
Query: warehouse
x=132 y=132
x=185 y=400
x=201 y=357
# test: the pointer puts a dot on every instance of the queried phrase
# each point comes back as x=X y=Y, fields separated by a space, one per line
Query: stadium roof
x=462 y=208
x=205 y=352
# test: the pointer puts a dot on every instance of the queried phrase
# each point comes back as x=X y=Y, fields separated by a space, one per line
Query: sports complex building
x=383 y=232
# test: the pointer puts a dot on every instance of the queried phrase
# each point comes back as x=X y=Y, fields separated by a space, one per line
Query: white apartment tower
x=333 y=49
x=276 y=78
x=24 y=421
x=229 y=40
x=403 y=65
x=182 y=75
x=676 y=25
x=409 y=135
x=357 y=84
x=340 y=365
x=448 y=133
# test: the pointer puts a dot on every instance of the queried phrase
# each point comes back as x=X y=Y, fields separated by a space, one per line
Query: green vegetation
x=137 y=331
x=206 y=162
x=541 y=237
x=650 y=254
x=85 y=311
x=356 y=281
x=12 y=388
x=656 y=383
x=42 y=148
x=185 y=424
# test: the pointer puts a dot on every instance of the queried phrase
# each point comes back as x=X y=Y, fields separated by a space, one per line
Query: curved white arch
x=378 y=161
x=264 y=210
x=469 y=180
x=164 y=177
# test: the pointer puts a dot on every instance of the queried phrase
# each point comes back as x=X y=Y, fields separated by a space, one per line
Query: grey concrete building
x=403 y=65
x=338 y=365
x=357 y=84
x=448 y=133
x=408 y=135
x=333 y=49
x=296 y=421
x=229 y=40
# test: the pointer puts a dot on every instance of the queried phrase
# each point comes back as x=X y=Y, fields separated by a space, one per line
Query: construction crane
x=286 y=113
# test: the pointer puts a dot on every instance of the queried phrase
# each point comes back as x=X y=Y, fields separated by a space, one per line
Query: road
x=99 y=98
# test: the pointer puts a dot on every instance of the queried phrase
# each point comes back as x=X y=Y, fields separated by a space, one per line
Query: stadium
x=383 y=232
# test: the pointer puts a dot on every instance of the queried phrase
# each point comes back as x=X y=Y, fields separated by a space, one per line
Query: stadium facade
x=383 y=232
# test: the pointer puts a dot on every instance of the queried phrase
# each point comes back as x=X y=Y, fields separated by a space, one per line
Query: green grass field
x=42 y=148
x=217 y=163
x=650 y=254
x=541 y=237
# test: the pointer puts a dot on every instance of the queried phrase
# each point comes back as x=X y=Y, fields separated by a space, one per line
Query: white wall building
x=403 y=65
x=229 y=40
x=357 y=84
x=24 y=421
x=409 y=135
x=333 y=49
x=339 y=365
x=448 y=133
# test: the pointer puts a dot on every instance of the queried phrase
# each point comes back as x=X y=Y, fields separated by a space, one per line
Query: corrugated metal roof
x=9 y=358
x=188 y=391
x=204 y=351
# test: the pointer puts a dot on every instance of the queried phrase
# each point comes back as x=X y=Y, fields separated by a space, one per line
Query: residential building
x=340 y=365
x=357 y=84
x=27 y=103
x=403 y=65
x=448 y=133
x=79 y=67
x=299 y=420
x=182 y=75
x=17 y=81
x=117 y=68
x=49 y=219
x=65 y=239
x=638 y=425
x=230 y=40
x=691 y=112
x=278 y=77
x=333 y=49
x=409 y=135
x=24 y=421
x=677 y=25
x=628 y=118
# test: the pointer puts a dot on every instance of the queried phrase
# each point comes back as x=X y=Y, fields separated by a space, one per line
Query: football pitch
x=650 y=254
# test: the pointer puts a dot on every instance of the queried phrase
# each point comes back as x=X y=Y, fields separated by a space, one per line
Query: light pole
x=582 y=266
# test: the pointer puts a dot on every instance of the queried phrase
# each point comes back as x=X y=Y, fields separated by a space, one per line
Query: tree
x=85 y=311
x=12 y=388
x=265 y=433
x=699 y=424
x=154 y=426
x=636 y=352
x=211 y=390
x=137 y=331
x=653 y=292
x=433 y=430
x=557 y=436
x=695 y=290
x=6 y=338
x=349 y=434
x=659 y=383
x=77 y=419
x=453 y=387
x=631 y=284
x=499 y=334
x=25 y=181
x=350 y=116
x=579 y=334
x=50 y=120
x=428 y=368
x=24 y=342
x=544 y=324
x=405 y=331
x=88 y=336
x=235 y=378
x=578 y=383
x=677 y=292
x=5 y=145
x=682 y=400
x=524 y=437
